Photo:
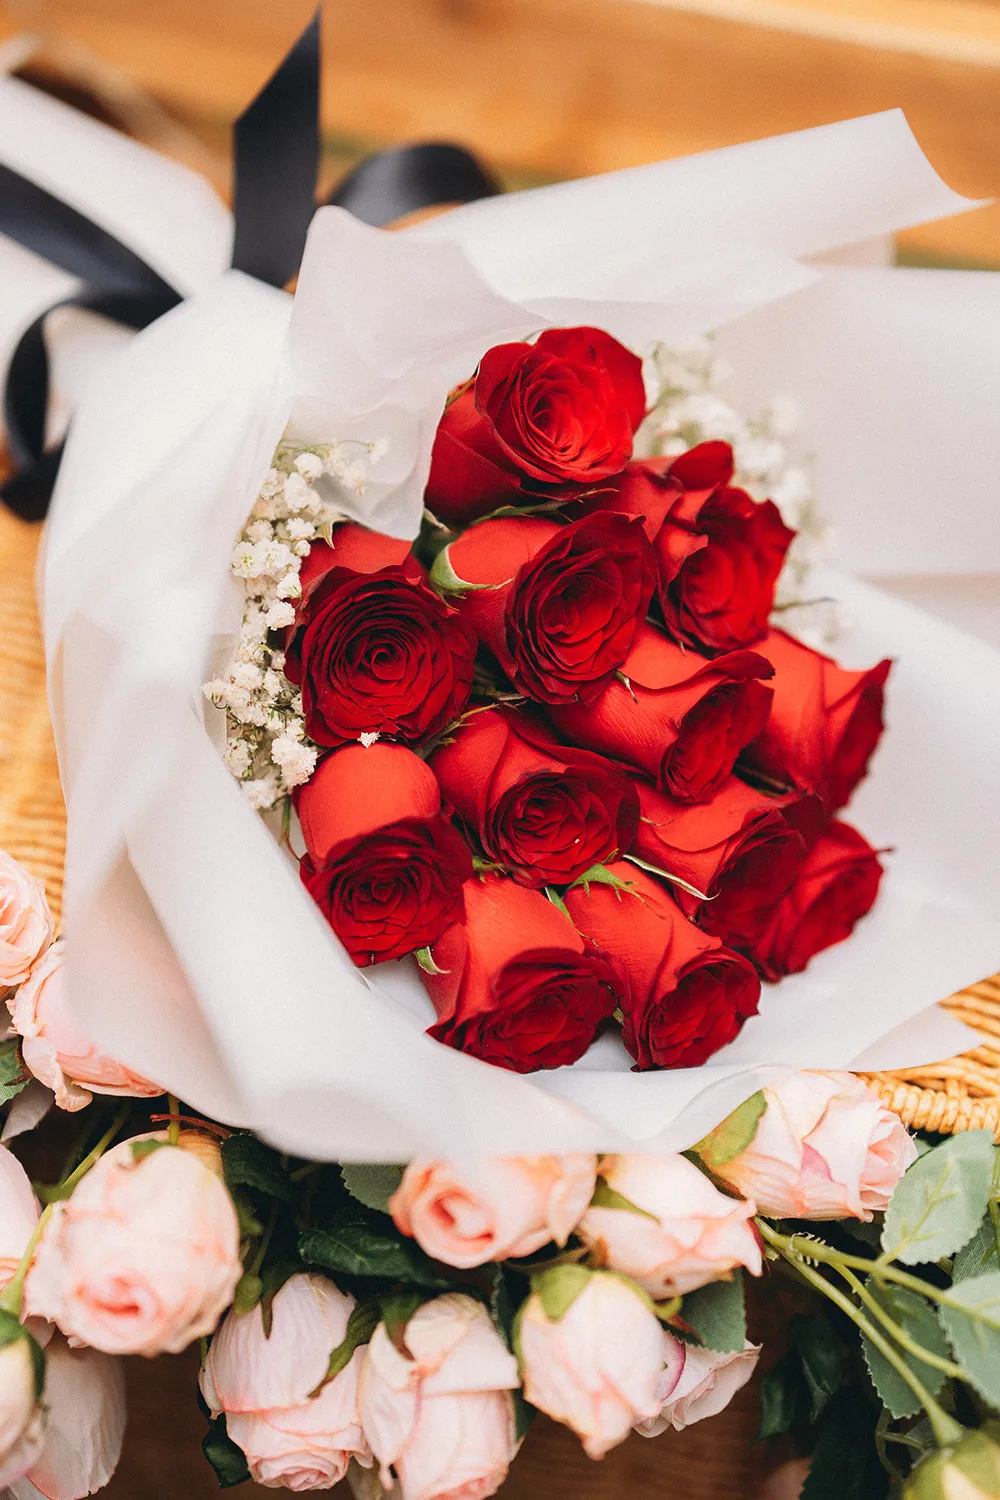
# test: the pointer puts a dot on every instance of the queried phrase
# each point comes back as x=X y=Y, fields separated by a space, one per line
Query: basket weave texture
x=960 y=1094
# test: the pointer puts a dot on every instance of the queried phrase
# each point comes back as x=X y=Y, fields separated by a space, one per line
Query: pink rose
x=686 y=1234
x=85 y=1423
x=144 y=1257
x=22 y=1417
x=443 y=1419
x=292 y=1440
x=18 y=1214
x=697 y=1383
x=825 y=1148
x=54 y=1050
x=25 y=922
x=510 y=1206
x=596 y=1367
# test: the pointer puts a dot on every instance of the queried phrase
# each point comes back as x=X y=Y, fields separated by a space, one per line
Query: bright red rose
x=824 y=725
x=545 y=811
x=373 y=649
x=383 y=864
x=835 y=888
x=560 y=411
x=742 y=851
x=680 y=720
x=558 y=606
x=689 y=995
x=519 y=986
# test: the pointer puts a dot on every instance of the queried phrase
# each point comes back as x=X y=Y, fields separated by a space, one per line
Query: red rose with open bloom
x=824 y=725
x=384 y=865
x=560 y=411
x=374 y=650
x=519 y=986
x=680 y=720
x=834 y=889
x=742 y=851
x=689 y=995
x=558 y=606
x=545 y=811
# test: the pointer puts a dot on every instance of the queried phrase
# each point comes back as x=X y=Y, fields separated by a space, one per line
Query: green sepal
x=397 y=1310
x=142 y=1149
x=559 y=1288
x=692 y=890
x=11 y=1328
x=667 y=1311
x=228 y=1461
x=14 y=1076
x=426 y=962
x=607 y=1197
x=445 y=581
x=248 y=1293
x=551 y=894
x=601 y=875
x=734 y=1135
x=362 y=1323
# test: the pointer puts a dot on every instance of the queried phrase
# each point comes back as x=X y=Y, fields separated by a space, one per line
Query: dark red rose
x=835 y=888
x=719 y=551
x=383 y=864
x=688 y=995
x=824 y=725
x=519 y=986
x=680 y=720
x=742 y=851
x=558 y=606
x=560 y=411
x=374 y=650
x=545 y=811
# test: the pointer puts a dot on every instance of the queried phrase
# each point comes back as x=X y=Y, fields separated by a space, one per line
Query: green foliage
x=975 y=1340
x=249 y=1290
x=142 y=1149
x=248 y=1163
x=358 y=1242
x=979 y=1255
x=362 y=1323
x=734 y=1135
x=228 y=1461
x=781 y=1397
x=372 y=1184
x=939 y=1203
x=717 y=1314
x=917 y=1318
x=607 y=1197
x=14 y=1076
x=821 y=1359
x=845 y=1464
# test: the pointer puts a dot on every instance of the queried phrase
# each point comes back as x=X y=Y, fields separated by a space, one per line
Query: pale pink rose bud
x=85 y=1423
x=509 y=1206
x=18 y=1214
x=21 y=1413
x=596 y=1365
x=143 y=1258
x=687 y=1233
x=444 y=1419
x=53 y=1048
x=697 y=1383
x=26 y=925
x=291 y=1439
x=825 y=1148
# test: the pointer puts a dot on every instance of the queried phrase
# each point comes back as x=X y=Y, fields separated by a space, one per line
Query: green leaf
x=559 y=1288
x=917 y=1318
x=845 y=1464
x=14 y=1076
x=362 y=1323
x=979 y=1255
x=372 y=1184
x=940 y=1200
x=821 y=1358
x=734 y=1135
x=781 y=1392
x=363 y=1246
x=716 y=1313
x=228 y=1461
x=524 y=1414
x=607 y=1197
x=975 y=1335
x=247 y=1162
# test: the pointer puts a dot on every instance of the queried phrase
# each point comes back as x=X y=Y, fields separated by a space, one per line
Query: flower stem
x=899 y=1333
x=174 y=1129
x=66 y=1187
x=12 y=1295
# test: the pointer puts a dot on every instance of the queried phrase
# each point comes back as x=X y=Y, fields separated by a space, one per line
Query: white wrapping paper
x=195 y=954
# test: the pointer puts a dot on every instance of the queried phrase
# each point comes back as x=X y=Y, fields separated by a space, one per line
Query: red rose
x=689 y=995
x=742 y=850
x=544 y=811
x=374 y=650
x=835 y=888
x=679 y=719
x=384 y=865
x=519 y=986
x=560 y=411
x=824 y=725
x=558 y=606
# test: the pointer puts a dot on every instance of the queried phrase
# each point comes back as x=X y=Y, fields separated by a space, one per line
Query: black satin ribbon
x=276 y=156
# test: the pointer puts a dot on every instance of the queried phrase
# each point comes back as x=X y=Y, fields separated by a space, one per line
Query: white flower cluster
x=689 y=405
x=266 y=745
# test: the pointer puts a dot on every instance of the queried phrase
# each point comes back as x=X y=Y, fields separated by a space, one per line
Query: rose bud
x=560 y=411
x=825 y=1148
x=18 y=1214
x=591 y=1354
x=509 y=1206
x=22 y=1415
x=26 y=924
x=742 y=850
x=687 y=994
x=85 y=1422
x=144 y=1257
x=55 y=1052
x=680 y=1231
x=558 y=606
x=294 y=1435
x=703 y=1385
x=383 y=863
x=825 y=722
x=544 y=811
x=441 y=1414
x=836 y=886
x=516 y=984
x=375 y=651
x=966 y=1470
x=678 y=719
